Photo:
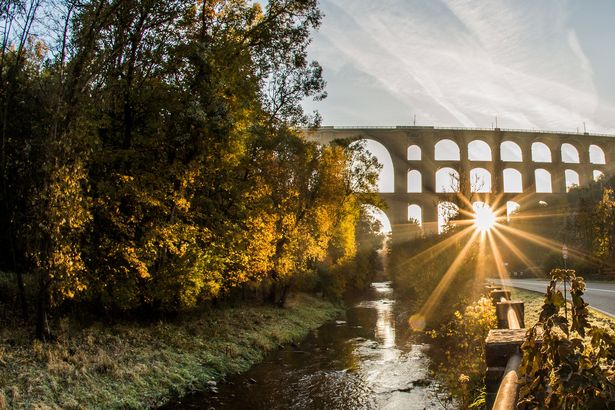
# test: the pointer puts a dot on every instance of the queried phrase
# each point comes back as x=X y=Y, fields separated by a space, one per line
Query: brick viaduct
x=576 y=159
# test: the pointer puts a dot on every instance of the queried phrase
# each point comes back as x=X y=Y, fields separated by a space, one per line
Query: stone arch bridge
x=512 y=165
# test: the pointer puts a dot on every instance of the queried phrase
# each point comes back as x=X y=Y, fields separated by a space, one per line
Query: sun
x=484 y=218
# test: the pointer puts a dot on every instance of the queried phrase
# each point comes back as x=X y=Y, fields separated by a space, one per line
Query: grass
x=533 y=302
x=137 y=366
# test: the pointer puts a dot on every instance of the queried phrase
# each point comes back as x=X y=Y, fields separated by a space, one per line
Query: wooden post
x=490 y=288
x=497 y=295
x=502 y=310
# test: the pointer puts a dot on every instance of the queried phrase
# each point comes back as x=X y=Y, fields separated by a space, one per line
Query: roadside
x=599 y=295
x=533 y=302
x=137 y=366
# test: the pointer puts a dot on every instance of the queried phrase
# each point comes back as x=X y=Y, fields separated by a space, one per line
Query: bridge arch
x=479 y=150
x=447 y=150
x=572 y=179
x=480 y=180
x=541 y=152
x=570 y=154
x=542 y=179
x=380 y=216
x=597 y=175
x=596 y=155
x=414 y=153
x=513 y=180
x=512 y=208
x=415 y=181
x=510 y=152
x=447 y=180
x=415 y=213
x=446 y=211
x=386 y=178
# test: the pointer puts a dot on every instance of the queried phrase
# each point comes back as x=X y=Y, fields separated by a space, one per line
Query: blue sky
x=546 y=64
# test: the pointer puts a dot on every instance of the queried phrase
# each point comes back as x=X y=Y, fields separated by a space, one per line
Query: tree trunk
x=22 y=295
x=282 y=301
x=42 y=328
x=271 y=297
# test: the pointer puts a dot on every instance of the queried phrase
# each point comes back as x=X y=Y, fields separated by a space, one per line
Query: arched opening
x=480 y=180
x=598 y=175
x=543 y=181
x=510 y=152
x=596 y=155
x=379 y=215
x=415 y=214
x=414 y=153
x=447 y=180
x=446 y=211
x=540 y=152
x=570 y=155
x=572 y=179
x=512 y=208
x=415 y=183
x=479 y=151
x=447 y=150
x=386 y=181
x=513 y=181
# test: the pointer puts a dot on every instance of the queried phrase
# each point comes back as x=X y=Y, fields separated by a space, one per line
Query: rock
x=421 y=383
x=211 y=383
x=340 y=322
x=252 y=381
x=214 y=390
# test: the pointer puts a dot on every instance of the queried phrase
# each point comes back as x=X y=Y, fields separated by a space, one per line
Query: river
x=365 y=360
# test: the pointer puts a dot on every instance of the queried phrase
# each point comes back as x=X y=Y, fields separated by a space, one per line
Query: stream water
x=365 y=360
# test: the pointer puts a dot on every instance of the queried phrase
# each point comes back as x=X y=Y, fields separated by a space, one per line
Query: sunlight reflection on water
x=360 y=361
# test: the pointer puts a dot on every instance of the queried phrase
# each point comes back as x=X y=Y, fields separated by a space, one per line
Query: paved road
x=599 y=295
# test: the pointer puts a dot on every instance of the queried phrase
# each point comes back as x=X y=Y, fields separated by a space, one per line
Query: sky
x=546 y=64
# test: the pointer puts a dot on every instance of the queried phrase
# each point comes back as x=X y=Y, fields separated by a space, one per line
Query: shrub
x=462 y=364
x=567 y=364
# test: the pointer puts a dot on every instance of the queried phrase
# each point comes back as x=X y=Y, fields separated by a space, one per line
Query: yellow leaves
x=183 y=204
x=133 y=259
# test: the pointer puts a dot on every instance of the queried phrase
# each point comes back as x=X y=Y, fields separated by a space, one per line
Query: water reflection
x=361 y=361
x=393 y=368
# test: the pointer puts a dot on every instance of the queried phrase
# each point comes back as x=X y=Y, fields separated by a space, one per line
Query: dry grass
x=133 y=366
x=533 y=302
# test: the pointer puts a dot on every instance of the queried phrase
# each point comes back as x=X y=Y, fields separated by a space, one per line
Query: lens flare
x=484 y=218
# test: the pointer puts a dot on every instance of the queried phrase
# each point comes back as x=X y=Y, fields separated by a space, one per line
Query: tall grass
x=137 y=366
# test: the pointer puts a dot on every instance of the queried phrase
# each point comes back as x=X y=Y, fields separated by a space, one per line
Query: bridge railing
x=392 y=127
x=502 y=351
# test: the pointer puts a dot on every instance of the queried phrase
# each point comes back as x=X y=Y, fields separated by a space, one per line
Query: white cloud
x=462 y=62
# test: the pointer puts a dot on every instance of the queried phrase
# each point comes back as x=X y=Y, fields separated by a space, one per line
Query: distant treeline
x=151 y=157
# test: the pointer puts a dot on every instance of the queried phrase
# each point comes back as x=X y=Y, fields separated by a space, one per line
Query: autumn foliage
x=153 y=155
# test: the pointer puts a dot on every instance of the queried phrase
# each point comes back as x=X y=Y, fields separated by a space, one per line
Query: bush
x=462 y=363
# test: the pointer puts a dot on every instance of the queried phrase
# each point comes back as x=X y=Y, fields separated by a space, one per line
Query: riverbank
x=137 y=366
